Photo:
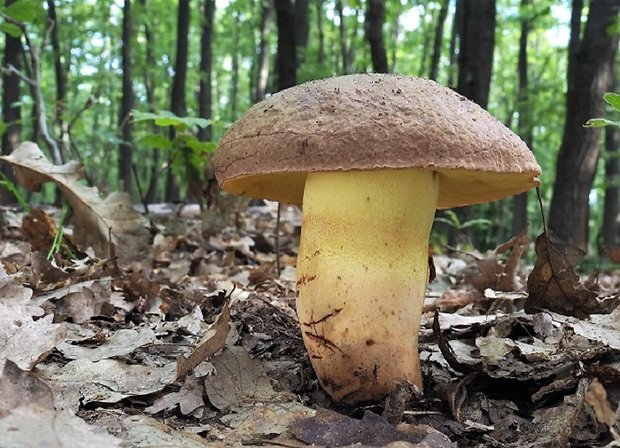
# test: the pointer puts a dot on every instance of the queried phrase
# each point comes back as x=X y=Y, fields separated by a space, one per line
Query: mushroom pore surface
x=361 y=277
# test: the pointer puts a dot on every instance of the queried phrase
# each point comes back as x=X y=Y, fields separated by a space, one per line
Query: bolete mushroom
x=371 y=157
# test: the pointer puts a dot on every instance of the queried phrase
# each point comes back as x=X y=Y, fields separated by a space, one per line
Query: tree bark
x=321 y=32
x=342 y=35
x=611 y=209
x=177 y=98
x=375 y=17
x=457 y=25
x=205 y=97
x=61 y=80
x=125 y=159
x=262 y=65
x=475 y=61
x=438 y=39
x=525 y=128
x=234 y=84
x=11 y=110
x=589 y=78
x=287 y=57
x=302 y=28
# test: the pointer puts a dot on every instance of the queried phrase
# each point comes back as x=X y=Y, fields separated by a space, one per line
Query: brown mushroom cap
x=373 y=121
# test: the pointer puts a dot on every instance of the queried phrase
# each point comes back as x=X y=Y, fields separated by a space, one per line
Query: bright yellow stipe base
x=361 y=277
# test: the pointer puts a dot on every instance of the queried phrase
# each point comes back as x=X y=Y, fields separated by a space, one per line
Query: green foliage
x=613 y=99
x=57 y=244
x=12 y=188
x=188 y=154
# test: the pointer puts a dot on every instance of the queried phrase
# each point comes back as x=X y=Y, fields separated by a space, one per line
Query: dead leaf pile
x=193 y=340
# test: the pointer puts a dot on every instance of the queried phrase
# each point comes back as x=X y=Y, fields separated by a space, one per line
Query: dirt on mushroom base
x=513 y=379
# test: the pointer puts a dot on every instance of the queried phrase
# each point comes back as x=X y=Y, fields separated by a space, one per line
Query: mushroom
x=371 y=156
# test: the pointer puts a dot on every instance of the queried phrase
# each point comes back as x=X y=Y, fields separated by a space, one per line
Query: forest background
x=104 y=81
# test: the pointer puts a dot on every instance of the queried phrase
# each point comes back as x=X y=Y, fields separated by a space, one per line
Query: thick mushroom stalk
x=361 y=277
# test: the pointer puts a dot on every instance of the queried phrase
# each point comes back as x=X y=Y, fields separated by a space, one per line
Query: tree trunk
x=525 y=128
x=234 y=84
x=438 y=39
x=375 y=16
x=611 y=210
x=61 y=80
x=262 y=66
x=321 y=32
x=590 y=77
x=177 y=98
x=475 y=61
x=125 y=159
x=457 y=26
x=302 y=13
x=287 y=57
x=11 y=110
x=206 y=68
x=342 y=34
x=152 y=169
x=426 y=29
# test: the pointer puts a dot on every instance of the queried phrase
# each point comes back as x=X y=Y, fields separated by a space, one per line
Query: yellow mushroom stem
x=361 y=277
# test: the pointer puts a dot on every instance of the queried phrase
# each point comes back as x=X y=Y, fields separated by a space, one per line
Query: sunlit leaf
x=613 y=99
x=600 y=122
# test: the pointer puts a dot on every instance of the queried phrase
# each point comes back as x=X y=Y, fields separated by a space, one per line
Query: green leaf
x=25 y=11
x=156 y=141
x=3 y=127
x=201 y=147
x=166 y=118
x=613 y=99
x=11 y=29
x=600 y=122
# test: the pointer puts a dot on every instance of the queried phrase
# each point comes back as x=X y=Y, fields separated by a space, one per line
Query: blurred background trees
x=74 y=70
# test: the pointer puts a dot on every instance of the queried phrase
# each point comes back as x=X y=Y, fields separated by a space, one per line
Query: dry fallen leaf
x=239 y=380
x=212 y=341
x=329 y=428
x=98 y=223
x=553 y=283
x=501 y=275
x=20 y=388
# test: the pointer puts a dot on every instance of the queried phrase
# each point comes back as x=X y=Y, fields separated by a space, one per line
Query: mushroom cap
x=368 y=122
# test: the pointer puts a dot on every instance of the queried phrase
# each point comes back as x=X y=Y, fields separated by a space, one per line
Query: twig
x=277 y=238
x=139 y=186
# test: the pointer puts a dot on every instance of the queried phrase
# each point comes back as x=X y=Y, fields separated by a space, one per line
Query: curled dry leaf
x=212 y=342
x=501 y=275
x=98 y=223
x=553 y=283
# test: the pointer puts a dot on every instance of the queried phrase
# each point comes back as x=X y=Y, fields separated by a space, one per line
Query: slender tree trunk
x=350 y=57
x=426 y=29
x=206 y=68
x=590 y=77
x=61 y=80
x=321 y=32
x=457 y=30
x=177 y=99
x=262 y=66
x=476 y=43
x=611 y=210
x=438 y=39
x=302 y=28
x=375 y=17
x=525 y=129
x=342 y=35
x=11 y=110
x=125 y=160
x=151 y=169
x=234 y=84
x=395 y=36
x=287 y=58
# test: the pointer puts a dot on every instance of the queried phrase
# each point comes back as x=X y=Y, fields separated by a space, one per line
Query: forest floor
x=193 y=341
